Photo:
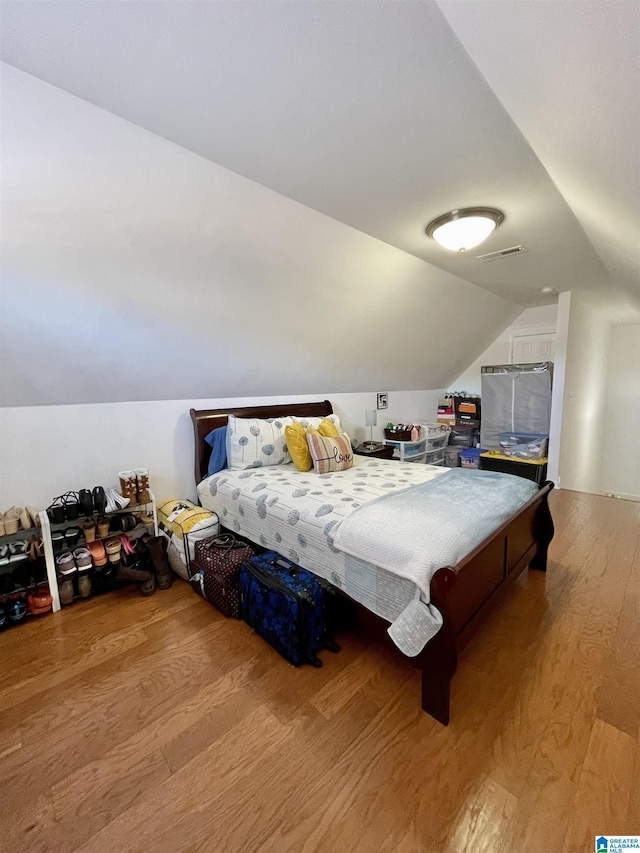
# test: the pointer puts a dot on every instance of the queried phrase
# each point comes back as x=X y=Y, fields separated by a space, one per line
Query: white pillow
x=315 y=422
x=254 y=442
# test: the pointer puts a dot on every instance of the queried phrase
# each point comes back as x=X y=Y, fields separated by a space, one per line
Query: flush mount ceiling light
x=465 y=228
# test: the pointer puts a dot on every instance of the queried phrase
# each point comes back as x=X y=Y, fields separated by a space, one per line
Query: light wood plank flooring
x=131 y=724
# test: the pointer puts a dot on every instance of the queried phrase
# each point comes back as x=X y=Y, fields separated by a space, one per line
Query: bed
x=459 y=593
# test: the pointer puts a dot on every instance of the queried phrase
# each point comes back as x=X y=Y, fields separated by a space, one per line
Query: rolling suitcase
x=288 y=606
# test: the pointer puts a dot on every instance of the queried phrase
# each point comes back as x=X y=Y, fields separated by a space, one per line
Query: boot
x=142 y=485
x=157 y=546
x=128 y=486
x=129 y=574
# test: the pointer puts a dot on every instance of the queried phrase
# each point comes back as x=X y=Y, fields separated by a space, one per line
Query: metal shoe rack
x=48 y=528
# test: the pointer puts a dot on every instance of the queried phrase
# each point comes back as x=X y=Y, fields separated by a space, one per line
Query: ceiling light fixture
x=465 y=228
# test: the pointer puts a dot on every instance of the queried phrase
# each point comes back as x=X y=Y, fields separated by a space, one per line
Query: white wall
x=620 y=469
x=134 y=269
x=48 y=450
x=531 y=321
x=584 y=426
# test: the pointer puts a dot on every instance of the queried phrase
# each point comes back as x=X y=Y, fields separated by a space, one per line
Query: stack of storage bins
x=437 y=436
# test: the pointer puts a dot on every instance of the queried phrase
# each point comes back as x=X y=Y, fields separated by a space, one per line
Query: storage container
x=529 y=469
x=435 y=457
x=462 y=436
x=470 y=457
x=452 y=456
x=408 y=451
x=523 y=445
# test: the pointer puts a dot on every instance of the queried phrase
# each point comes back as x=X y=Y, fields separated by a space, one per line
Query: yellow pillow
x=296 y=438
x=328 y=429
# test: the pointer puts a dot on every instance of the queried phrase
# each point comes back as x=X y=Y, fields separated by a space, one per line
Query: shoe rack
x=48 y=528
x=22 y=536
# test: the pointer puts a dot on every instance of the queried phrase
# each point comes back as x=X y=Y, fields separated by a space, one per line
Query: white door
x=526 y=349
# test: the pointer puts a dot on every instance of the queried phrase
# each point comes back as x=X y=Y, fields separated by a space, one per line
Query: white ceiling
x=375 y=114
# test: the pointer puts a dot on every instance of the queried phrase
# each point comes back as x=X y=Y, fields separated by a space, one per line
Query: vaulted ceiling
x=384 y=115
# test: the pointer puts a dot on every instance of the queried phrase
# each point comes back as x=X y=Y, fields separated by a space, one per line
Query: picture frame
x=382 y=400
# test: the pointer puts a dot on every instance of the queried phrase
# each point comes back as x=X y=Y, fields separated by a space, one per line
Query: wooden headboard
x=204 y=420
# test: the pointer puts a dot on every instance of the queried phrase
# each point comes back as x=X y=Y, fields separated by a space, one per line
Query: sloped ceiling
x=376 y=114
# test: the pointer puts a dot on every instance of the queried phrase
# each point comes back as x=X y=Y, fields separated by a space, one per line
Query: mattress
x=294 y=513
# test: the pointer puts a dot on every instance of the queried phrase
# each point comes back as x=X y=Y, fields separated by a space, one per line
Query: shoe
x=98 y=554
x=66 y=564
x=145 y=579
x=4 y=621
x=113 y=548
x=11 y=521
x=82 y=557
x=18 y=546
x=6 y=584
x=2 y=530
x=103 y=527
x=128 y=486
x=57 y=542
x=34 y=514
x=16 y=610
x=142 y=485
x=65 y=590
x=84 y=585
x=115 y=501
x=88 y=528
x=157 y=546
x=39 y=601
x=85 y=500
x=71 y=506
x=56 y=510
x=21 y=575
x=99 y=500
x=25 y=518
x=4 y=554
x=146 y=518
x=71 y=537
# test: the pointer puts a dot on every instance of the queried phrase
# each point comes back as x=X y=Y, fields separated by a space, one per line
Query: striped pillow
x=329 y=454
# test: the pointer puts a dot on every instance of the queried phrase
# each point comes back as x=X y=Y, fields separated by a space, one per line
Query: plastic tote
x=523 y=445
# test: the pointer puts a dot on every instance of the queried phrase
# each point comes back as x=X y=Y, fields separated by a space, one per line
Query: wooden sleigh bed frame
x=462 y=593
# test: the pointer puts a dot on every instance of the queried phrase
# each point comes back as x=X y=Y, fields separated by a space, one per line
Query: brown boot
x=157 y=546
x=128 y=486
x=128 y=574
x=142 y=485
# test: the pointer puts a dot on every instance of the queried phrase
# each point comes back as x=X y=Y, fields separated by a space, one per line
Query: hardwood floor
x=132 y=724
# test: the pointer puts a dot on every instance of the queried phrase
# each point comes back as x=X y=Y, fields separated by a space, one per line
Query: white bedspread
x=296 y=513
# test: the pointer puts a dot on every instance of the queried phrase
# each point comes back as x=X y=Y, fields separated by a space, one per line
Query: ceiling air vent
x=503 y=253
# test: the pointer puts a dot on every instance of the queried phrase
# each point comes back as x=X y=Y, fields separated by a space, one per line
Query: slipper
x=98 y=554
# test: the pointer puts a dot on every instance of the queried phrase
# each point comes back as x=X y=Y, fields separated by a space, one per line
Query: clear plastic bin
x=523 y=445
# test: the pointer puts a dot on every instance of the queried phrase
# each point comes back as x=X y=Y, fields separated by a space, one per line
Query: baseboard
x=621 y=497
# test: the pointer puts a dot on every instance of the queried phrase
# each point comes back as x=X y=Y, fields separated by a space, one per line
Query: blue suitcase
x=291 y=608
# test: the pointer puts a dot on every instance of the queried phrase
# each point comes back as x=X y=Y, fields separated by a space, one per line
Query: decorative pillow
x=315 y=422
x=328 y=428
x=217 y=441
x=329 y=454
x=296 y=436
x=253 y=442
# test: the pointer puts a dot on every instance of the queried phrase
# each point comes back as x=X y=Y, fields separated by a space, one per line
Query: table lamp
x=371 y=419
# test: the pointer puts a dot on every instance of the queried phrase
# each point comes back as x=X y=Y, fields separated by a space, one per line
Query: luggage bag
x=291 y=608
x=215 y=569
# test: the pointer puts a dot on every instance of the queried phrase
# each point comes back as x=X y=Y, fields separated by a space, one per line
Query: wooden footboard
x=462 y=592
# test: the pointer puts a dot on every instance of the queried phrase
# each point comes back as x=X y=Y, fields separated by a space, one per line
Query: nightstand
x=378 y=451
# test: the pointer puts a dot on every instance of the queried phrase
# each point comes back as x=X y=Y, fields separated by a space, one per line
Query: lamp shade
x=371 y=417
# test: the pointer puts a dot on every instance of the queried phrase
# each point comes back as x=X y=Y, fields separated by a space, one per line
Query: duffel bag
x=291 y=608
x=215 y=569
x=184 y=523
